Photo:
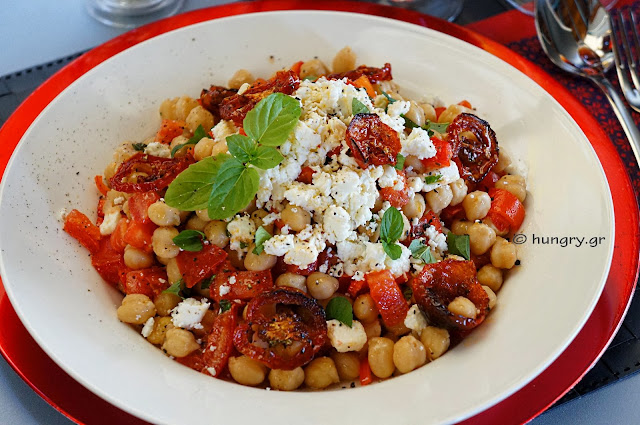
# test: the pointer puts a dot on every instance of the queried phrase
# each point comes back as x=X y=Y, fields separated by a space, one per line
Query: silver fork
x=626 y=50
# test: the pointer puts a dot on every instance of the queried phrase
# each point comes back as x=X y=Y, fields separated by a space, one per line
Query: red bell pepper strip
x=78 y=225
x=366 y=377
x=388 y=297
x=506 y=211
x=199 y=265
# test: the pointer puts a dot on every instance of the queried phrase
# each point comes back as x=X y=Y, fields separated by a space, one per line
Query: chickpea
x=409 y=354
x=416 y=207
x=206 y=322
x=476 y=205
x=435 y=340
x=365 y=309
x=499 y=232
x=241 y=77
x=490 y=276
x=136 y=258
x=199 y=117
x=216 y=233
x=345 y=60
x=184 y=106
x=397 y=330
x=514 y=184
x=110 y=170
x=257 y=216
x=440 y=198
x=459 y=191
x=286 y=380
x=203 y=148
x=292 y=280
x=180 y=140
x=258 y=262
x=162 y=242
x=503 y=161
x=179 y=342
x=415 y=164
x=163 y=215
x=246 y=371
x=415 y=113
x=460 y=227
x=481 y=237
x=321 y=373
x=196 y=223
x=503 y=254
x=219 y=147
x=163 y=260
x=347 y=364
x=493 y=299
x=173 y=272
x=380 y=357
x=313 y=68
x=165 y=302
x=160 y=327
x=203 y=215
x=168 y=109
x=295 y=217
x=451 y=112
x=321 y=286
x=136 y=309
x=464 y=307
x=372 y=329
x=429 y=112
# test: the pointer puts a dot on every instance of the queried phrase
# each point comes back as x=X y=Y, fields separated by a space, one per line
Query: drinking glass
x=131 y=13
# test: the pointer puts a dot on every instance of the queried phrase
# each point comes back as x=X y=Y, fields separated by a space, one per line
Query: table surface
x=64 y=28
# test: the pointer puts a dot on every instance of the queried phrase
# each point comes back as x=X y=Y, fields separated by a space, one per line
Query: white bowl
x=70 y=311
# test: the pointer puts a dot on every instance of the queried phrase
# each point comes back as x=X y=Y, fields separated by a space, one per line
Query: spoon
x=576 y=36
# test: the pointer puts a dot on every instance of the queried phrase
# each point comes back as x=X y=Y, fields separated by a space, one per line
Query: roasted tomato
x=83 y=230
x=397 y=198
x=150 y=282
x=232 y=285
x=235 y=107
x=158 y=172
x=372 y=142
x=440 y=283
x=109 y=263
x=212 y=98
x=285 y=328
x=199 y=265
x=474 y=145
x=373 y=74
x=169 y=130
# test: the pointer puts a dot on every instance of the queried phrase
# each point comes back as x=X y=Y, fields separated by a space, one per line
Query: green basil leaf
x=391 y=226
x=175 y=289
x=393 y=250
x=206 y=283
x=225 y=305
x=389 y=98
x=242 y=147
x=440 y=127
x=422 y=252
x=433 y=179
x=234 y=187
x=261 y=237
x=266 y=157
x=139 y=147
x=358 y=107
x=310 y=78
x=459 y=245
x=197 y=135
x=339 y=308
x=190 y=240
x=399 y=162
x=191 y=190
x=272 y=119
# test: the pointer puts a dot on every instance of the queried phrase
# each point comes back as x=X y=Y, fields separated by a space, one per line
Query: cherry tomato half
x=373 y=74
x=285 y=328
x=474 y=145
x=160 y=172
x=372 y=142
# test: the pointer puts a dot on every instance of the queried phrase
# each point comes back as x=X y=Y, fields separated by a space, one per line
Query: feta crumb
x=158 y=149
x=212 y=371
x=415 y=320
x=224 y=290
x=189 y=313
x=232 y=280
x=110 y=222
x=344 y=338
x=148 y=327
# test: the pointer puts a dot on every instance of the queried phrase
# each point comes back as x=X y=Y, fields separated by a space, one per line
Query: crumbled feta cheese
x=189 y=313
x=158 y=149
x=415 y=320
x=212 y=371
x=119 y=200
x=344 y=338
x=62 y=214
x=336 y=224
x=419 y=144
x=243 y=88
x=224 y=290
x=148 y=327
x=436 y=240
x=241 y=230
x=398 y=108
x=110 y=222
x=223 y=129
x=232 y=280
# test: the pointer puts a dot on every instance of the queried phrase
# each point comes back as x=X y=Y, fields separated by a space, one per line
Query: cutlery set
x=582 y=38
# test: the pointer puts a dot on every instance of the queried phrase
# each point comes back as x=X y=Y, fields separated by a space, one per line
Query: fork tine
x=633 y=59
x=620 y=46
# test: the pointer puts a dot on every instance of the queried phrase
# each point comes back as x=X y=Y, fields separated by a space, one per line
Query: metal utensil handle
x=622 y=112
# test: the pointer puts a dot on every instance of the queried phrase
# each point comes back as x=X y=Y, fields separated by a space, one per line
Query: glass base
x=443 y=9
x=131 y=13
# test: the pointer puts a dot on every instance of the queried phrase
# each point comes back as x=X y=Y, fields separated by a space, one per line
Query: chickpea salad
x=311 y=229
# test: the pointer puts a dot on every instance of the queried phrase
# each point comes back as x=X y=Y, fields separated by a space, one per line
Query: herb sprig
x=390 y=231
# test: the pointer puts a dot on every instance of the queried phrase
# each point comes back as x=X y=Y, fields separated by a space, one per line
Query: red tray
x=82 y=406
